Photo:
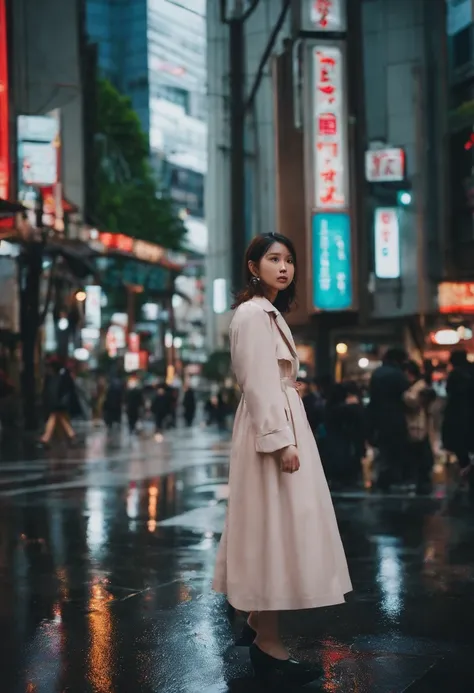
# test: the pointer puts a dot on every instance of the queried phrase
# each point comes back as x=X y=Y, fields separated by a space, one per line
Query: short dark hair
x=256 y=250
x=395 y=355
x=412 y=368
x=458 y=358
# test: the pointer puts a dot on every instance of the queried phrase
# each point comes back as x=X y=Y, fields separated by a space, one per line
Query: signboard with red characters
x=384 y=165
x=387 y=243
x=323 y=15
x=456 y=297
x=331 y=180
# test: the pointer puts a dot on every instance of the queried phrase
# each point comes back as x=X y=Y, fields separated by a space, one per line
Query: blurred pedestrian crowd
x=138 y=398
x=393 y=431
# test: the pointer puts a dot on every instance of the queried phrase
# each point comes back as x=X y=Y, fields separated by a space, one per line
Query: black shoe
x=247 y=636
x=282 y=671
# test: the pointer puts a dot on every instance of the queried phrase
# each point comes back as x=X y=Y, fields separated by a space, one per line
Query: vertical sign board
x=332 y=263
x=4 y=114
x=387 y=243
x=323 y=15
x=331 y=224
x=329 y=114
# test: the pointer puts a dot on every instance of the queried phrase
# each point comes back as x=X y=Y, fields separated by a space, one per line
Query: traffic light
x=404 y=198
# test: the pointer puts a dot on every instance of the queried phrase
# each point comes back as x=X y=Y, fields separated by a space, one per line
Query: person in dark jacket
x=386 y=415
x=161 y=409
x=345 y=441
x=58 y=396
x=133 y=402
x=189 y=406
x=313 y=403
x=113 y=403
x=458 y=424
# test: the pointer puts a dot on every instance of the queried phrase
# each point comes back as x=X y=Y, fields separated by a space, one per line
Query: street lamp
x=81 y=295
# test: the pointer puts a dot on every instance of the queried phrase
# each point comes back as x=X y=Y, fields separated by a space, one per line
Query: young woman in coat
x=281 y=548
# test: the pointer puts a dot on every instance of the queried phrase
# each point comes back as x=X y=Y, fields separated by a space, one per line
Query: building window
x=462 y=48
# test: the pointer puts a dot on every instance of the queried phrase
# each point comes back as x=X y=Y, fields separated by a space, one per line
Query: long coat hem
x=294 y=603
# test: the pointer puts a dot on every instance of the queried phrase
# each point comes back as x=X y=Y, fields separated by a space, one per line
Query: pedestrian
x=160 y=407
x=281 y=549
x=386 y=417
x=419 y=398
x=113 y=402
x=458 y=426
x=58 y=395
x=98 y=400
x=133 y=402
x=314 y=405
x=345 y=442
x=189 y=406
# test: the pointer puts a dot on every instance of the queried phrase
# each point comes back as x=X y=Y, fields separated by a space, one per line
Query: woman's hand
x=289 y=459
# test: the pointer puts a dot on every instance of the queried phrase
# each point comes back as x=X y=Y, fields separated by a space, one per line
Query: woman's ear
x=253 y=268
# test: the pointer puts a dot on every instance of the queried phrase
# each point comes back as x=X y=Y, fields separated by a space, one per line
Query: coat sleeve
x=256 y=369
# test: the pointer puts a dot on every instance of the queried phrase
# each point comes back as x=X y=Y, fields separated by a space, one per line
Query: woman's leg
x=268 y=635
x=49 y=428
x=63 y=420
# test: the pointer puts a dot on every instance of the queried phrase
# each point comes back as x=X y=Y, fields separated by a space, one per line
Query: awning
x=49 y=201
x=78 y=256
x=10 y=208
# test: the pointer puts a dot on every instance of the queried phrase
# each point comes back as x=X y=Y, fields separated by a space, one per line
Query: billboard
x=387 y=243
x=323 y=15
x=385 y=165
x=456 y=297
x=329 y=126
x=332 y=264
x=38 y=146
x=4 y=114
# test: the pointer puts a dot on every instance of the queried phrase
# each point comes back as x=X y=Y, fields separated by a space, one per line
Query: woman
x=281 y=548
x=58 y=397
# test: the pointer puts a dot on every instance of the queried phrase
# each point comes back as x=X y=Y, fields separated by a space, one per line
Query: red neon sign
x=4 y=116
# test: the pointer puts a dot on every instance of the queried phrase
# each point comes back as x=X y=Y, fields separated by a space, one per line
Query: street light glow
x=342 y=349
x=63 y=324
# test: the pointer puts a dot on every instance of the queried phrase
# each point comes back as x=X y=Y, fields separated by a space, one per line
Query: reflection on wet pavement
x=106 y=558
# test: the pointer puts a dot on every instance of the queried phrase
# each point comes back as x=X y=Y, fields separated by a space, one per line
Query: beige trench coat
x=281 y=548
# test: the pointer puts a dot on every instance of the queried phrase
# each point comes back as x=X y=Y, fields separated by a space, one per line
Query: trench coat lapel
x=281 y=323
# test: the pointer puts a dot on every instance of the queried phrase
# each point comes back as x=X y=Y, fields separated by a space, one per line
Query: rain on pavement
x=106 y=560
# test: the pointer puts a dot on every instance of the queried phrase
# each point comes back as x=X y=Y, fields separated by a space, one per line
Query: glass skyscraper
x=155 y=52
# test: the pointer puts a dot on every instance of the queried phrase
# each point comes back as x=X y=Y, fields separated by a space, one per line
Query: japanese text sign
x=332 y=274
x=330 y=129
x=387 y=243
x=323 y=15
x=384 y=165
x=456 y=297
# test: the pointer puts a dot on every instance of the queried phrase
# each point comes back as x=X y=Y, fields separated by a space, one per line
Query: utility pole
x=237 y=146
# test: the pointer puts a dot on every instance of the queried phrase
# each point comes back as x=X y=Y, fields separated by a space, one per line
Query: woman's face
x=276 y=268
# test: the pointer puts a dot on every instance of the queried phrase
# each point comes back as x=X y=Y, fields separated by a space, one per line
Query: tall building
x=154 y=51
x=344 y=155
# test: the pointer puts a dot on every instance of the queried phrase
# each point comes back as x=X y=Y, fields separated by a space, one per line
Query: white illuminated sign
x=220 y=296
x=93 y=307
x=323 y=15
x=330 y=129
x=387 y=243
x=384 y=165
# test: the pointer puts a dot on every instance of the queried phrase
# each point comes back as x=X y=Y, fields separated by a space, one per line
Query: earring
x=255 y=281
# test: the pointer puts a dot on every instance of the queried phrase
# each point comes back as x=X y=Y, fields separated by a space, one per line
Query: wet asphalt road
x=106 y=558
